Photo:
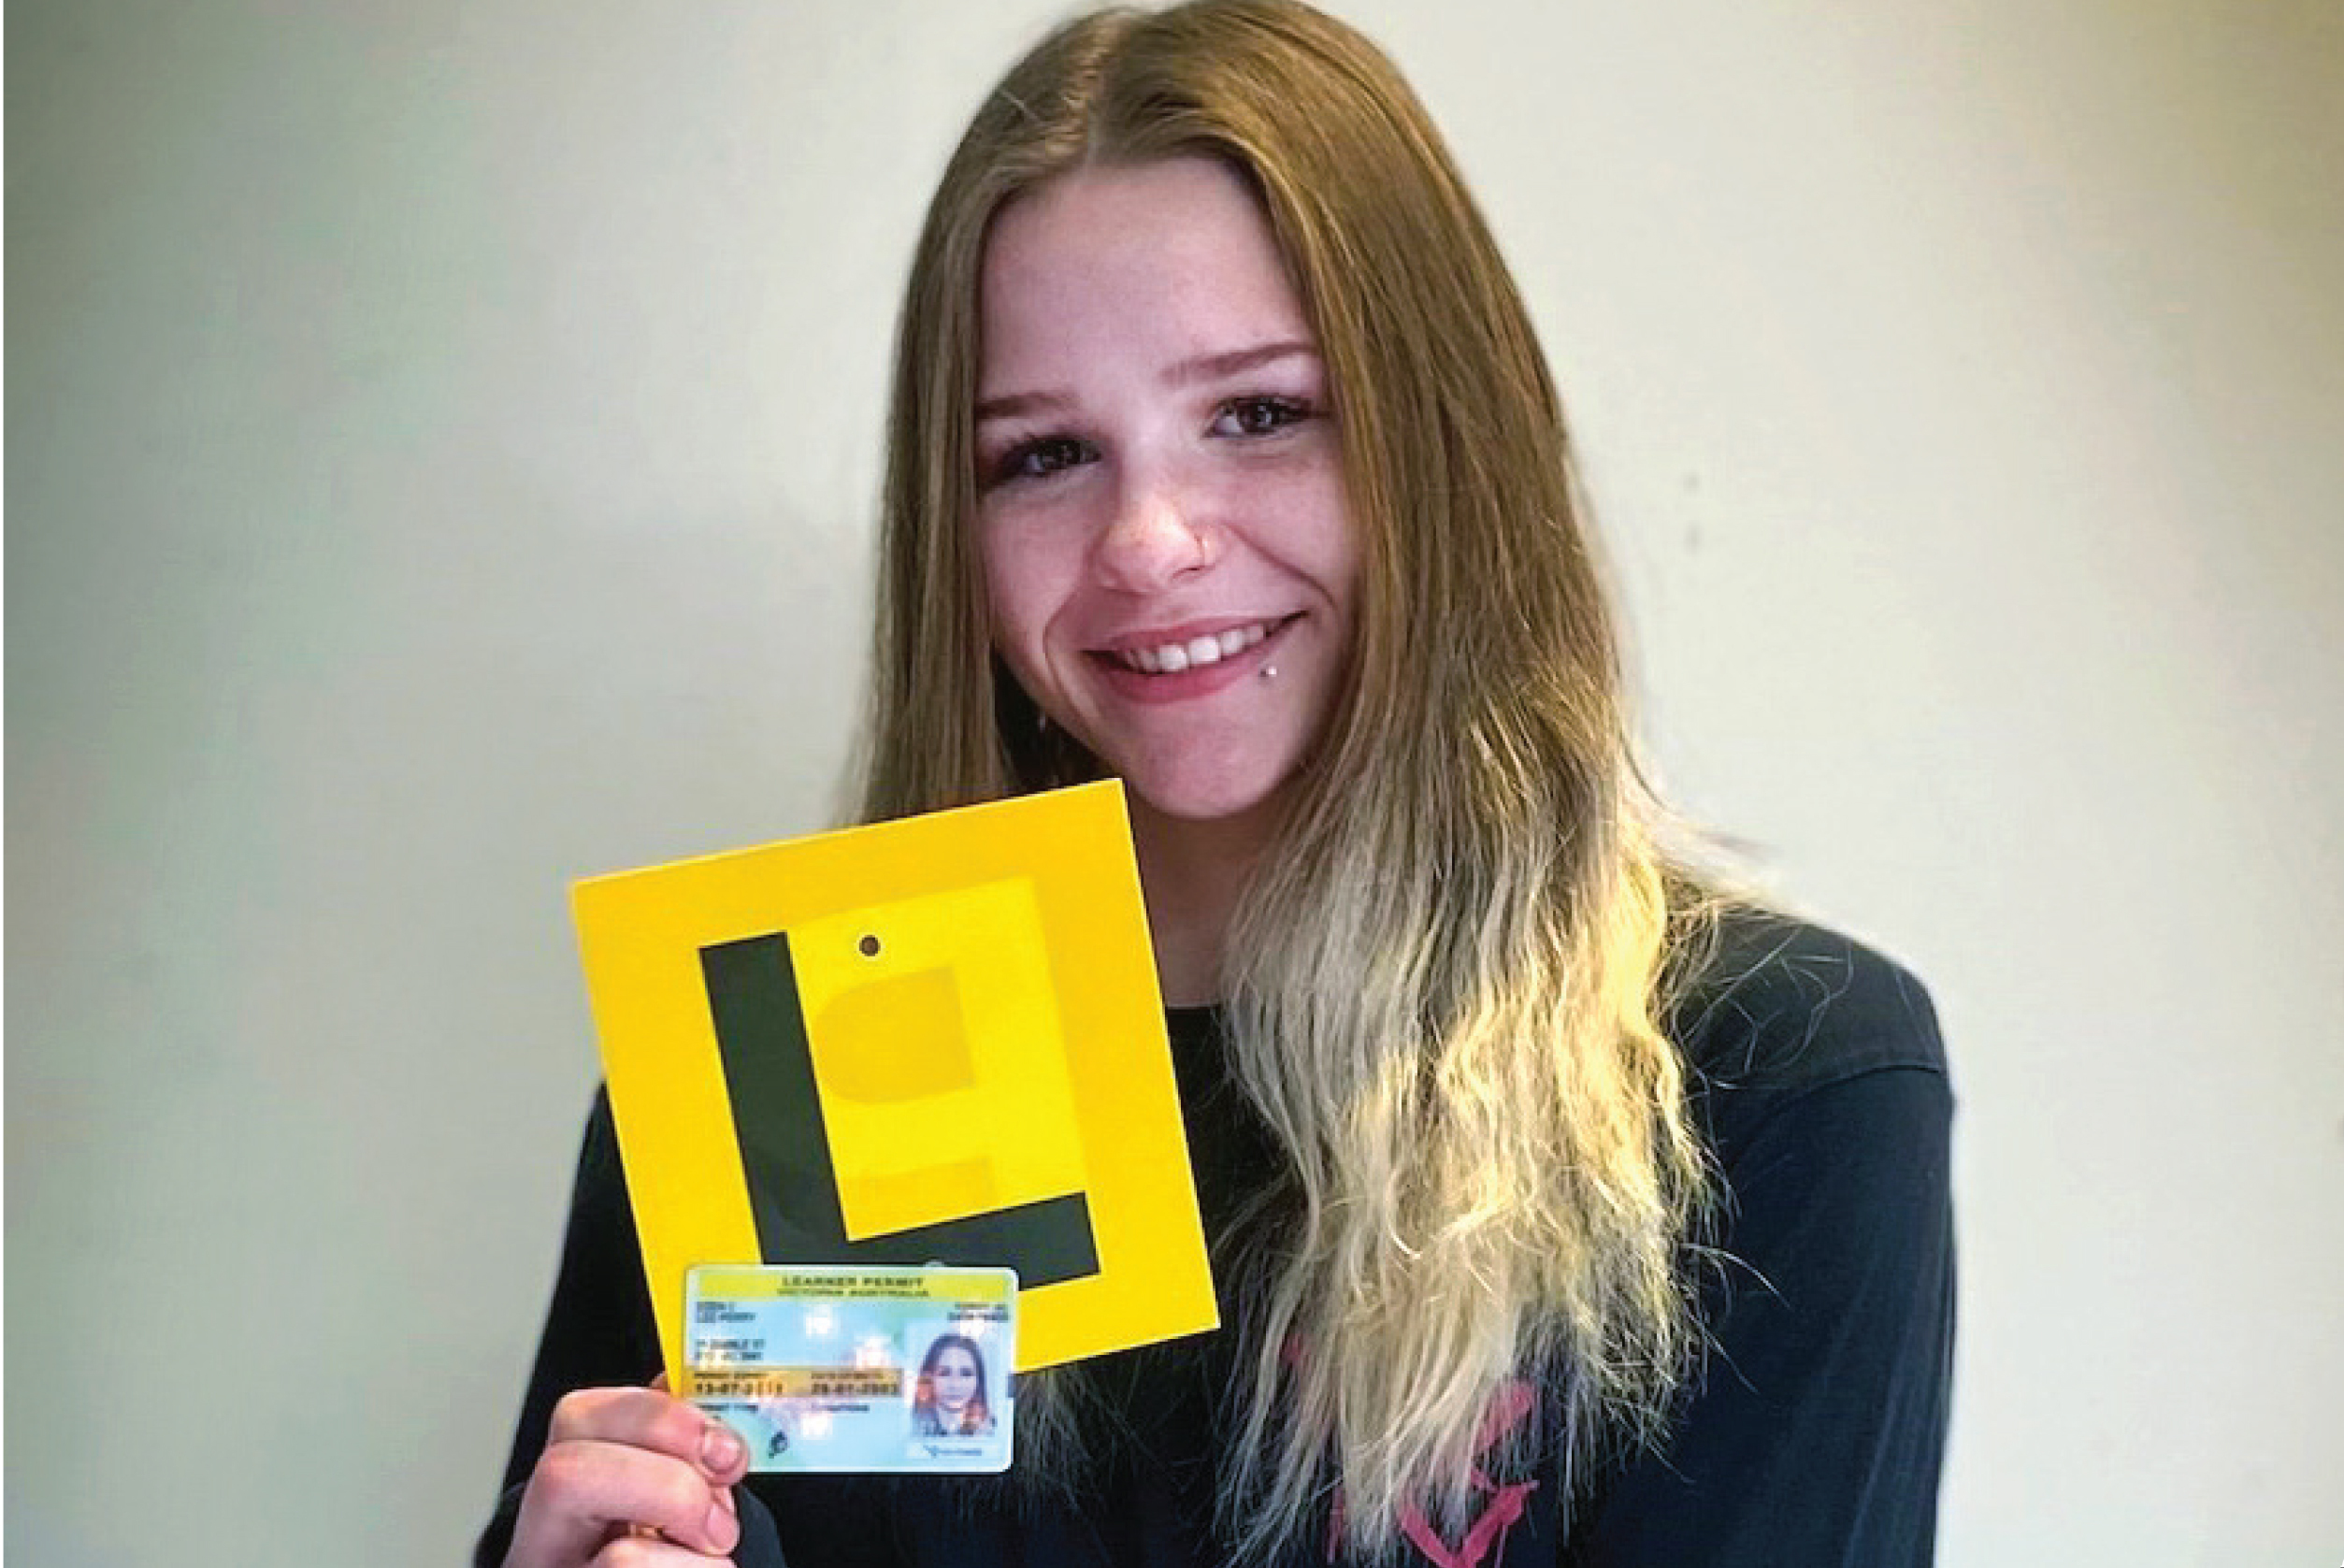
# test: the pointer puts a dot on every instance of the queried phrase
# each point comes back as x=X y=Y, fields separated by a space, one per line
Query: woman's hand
x=629 y=1477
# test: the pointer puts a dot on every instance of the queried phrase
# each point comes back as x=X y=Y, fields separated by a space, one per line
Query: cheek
x=1301 y=518
x=1032 y=574
x=1339 y=550
x=1321 y=544
x=1336 y=540
x=1016 y=588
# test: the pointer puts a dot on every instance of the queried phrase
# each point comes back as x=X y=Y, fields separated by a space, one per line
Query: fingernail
x=720 y=1450
x=720 y=1528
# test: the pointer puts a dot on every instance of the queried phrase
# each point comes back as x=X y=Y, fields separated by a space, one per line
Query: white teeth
x=1172 y=658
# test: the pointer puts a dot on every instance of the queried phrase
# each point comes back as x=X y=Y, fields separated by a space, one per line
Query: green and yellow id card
x=932 y=1040
x=866 y=1367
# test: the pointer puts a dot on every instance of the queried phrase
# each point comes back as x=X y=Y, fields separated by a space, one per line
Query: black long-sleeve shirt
x=1813 y=1440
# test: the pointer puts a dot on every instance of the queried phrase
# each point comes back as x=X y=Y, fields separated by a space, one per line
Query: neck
x=1193 y=874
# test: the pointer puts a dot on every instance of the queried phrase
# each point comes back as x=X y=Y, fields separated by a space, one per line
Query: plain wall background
x=441 y=444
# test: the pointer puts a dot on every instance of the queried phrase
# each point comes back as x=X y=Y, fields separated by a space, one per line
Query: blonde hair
x=1442 y=985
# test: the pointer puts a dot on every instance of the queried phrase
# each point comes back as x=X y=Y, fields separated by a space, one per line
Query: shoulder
x=1826 y=1270
x=1771 y=1002
x=1777 y=1019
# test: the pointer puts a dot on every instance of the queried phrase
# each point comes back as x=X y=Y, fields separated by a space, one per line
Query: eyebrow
x=1214 y=367
x=1203 y=367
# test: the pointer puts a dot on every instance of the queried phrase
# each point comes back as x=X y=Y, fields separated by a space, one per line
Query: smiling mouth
x=1172 y=658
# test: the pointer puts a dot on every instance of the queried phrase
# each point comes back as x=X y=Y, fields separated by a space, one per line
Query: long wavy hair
x=1444 y=983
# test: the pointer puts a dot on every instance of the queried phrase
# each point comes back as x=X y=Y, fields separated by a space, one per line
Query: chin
x=1204 y=800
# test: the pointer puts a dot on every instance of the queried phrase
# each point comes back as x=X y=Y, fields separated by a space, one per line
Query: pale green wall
x=440 y=441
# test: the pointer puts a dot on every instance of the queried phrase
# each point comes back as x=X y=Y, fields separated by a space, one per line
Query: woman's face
x=954 y=1379
x=1170 y=564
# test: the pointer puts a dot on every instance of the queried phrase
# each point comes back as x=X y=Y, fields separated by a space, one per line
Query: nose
x=1158 y=533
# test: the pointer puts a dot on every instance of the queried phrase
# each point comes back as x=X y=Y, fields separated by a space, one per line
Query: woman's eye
x=1260 y=416
x=1039 y=459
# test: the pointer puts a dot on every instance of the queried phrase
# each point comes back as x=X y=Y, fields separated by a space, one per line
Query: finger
x=644 y=1551
x=583 y=1491
x=648 y=1418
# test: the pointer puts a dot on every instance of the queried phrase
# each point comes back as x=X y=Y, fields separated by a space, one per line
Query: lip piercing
x=1269 y=671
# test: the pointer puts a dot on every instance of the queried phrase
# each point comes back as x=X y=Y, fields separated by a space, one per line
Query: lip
x=1187 y=684
x=1185 y=631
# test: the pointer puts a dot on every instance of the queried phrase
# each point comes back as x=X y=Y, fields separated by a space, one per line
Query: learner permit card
x=856 y=1367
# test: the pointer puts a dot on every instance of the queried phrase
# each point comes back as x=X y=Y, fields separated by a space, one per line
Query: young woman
x=948 y=1398
x=1564 y=1212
